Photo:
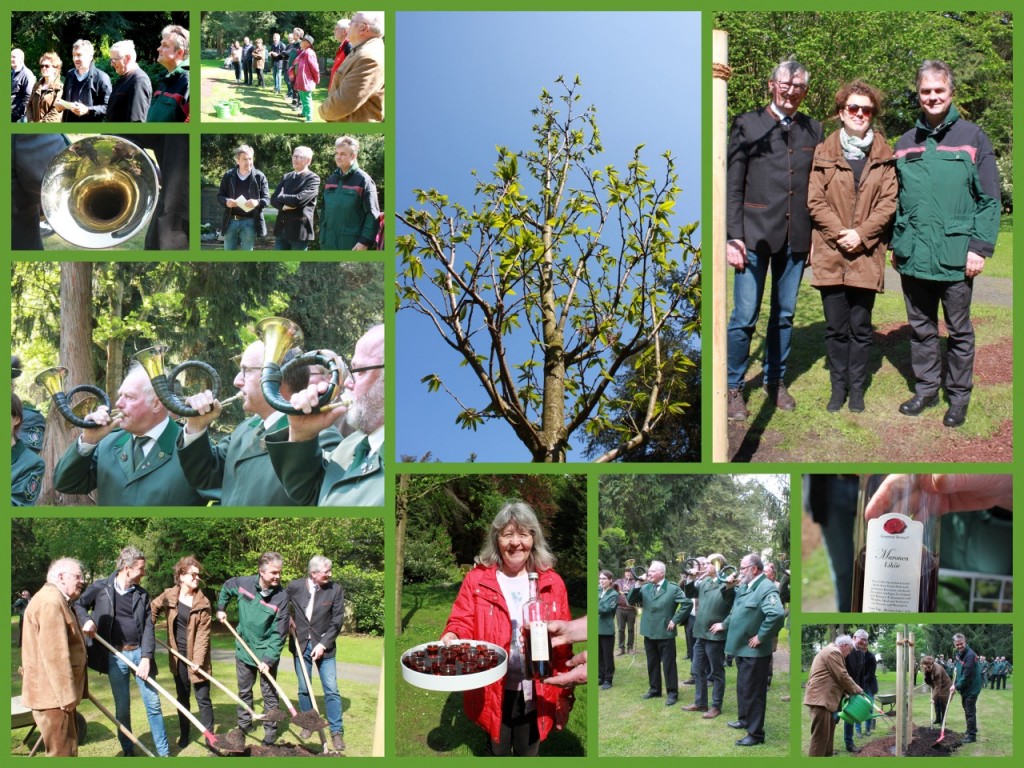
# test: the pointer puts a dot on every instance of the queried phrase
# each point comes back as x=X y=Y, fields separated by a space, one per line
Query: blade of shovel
x=231 y=694
x=120 y=726
x=270 y=677
x=309 y=688
x=211 y=738
x=942 y=731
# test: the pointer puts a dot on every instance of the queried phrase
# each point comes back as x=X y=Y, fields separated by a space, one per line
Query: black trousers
x=752 y=692
x=625 y=618
x=922 y=299
x=940 y=709
x=605 y=658
x=709 y=666
x=847 y=334
x=247 y=675
x=183 y=687
x=238 y=70
x=247 y=70
x=661 y=656
x=971 y=714
x=520 y=734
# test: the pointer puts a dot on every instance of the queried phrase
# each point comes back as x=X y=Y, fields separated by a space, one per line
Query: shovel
x=310 y=720
x=309 y=686
x=120 y=726
x=211 y=739
x=942 y=731
x=231 y=694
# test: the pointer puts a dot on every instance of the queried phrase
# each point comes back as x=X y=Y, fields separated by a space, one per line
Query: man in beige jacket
x=825 y=685
x=356 y=92
x=54 y=658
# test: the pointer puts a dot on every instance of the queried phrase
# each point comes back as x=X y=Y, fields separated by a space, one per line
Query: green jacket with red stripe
x=262 y=618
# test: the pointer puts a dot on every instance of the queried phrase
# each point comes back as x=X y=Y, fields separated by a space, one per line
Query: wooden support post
x=719 y=268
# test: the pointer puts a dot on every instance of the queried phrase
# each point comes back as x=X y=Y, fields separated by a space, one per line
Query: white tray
x=455 y=682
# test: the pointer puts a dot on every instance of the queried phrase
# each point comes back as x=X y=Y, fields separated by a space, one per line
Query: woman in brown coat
x=852 y=200
x=188 y=632
x=936 y=677
x=43 y=104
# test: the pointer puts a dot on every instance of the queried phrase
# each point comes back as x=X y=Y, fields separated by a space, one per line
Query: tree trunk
x=76 y=355
x=553 y=409
x=114 y=346
x=401 y=521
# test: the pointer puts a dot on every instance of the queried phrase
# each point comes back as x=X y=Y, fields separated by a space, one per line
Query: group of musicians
x=726 y=612
x=320 y=454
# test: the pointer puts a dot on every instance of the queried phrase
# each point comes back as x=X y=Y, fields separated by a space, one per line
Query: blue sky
x=467 y=82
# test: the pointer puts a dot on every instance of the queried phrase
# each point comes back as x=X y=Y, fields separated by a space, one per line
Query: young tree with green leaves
x=589 y=265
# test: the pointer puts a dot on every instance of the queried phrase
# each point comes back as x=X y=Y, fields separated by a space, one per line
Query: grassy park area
x=258 y=105
x=433 y=723
x=359 y=660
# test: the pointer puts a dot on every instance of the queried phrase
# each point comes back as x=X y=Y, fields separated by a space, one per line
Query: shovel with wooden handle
x=309 y=685
x=120 y=726
x=211 y=739
x=231 y=694
x=942 y=731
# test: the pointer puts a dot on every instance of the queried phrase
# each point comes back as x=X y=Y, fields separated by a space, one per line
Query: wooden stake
x=719 y=268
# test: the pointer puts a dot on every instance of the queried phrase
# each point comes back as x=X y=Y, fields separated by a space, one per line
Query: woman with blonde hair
x=43 y=104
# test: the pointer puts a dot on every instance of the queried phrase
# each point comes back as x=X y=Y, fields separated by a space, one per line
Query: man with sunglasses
x=753 y=623
x=238 y=465
x=946 y=228
x=768 y=228
x=352 y=475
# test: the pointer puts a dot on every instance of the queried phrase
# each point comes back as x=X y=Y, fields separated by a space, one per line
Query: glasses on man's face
x=866 y=109
x=364 y=369
x=245 y=370
x=791 y=86
x=74 y=576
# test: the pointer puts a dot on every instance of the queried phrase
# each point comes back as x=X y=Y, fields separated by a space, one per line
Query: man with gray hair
x=768 y=228
x=22 y=83
x=295 y=201
x=244 y=193
x=665 y=608
x=118 y=610
x=350 y=220
x=967 y=681
x=86 y=88
x=263 y=625
x=53 y=658
x=826 y=684
x=171 y=94
x=318 y=610
x=133 y=92
x=129 y=460
x=356 y=90
x=344 y=46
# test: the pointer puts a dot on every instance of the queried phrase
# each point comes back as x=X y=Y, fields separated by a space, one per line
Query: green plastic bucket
x=236 y=107
x=222 y=110
x=857 y=709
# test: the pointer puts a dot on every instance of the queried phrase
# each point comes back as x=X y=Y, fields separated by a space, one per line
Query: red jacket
x=480 y=613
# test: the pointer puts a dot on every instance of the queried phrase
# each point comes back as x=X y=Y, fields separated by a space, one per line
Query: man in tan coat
x=935 y=675
x=825 y=685
x=356 y=91
x=54 y=658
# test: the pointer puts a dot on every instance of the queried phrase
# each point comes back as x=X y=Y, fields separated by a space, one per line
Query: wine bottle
x=535 y=630
x=896 y=554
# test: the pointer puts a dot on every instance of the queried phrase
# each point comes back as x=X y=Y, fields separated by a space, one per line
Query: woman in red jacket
x=516 y=712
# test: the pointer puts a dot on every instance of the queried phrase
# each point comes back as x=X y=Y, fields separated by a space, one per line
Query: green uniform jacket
x=351 y=214
x=159 y=482
x=714 y=601
x=239 y=466
x=262 y=622
x=949 y=199
x=311 y=475
x=968 y=673
x=33 y=427
x=606 y=605
x=27 y=470
x=658 y=609
x=757 y=610
x=170 y=98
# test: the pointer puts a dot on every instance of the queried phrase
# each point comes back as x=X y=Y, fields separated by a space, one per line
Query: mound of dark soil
x=922 y=745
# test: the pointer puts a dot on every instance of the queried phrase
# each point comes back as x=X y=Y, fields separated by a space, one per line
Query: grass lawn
x=433 y=723
x=631 y=726
x=218 y=84
x=995 y=722
x=359 y=702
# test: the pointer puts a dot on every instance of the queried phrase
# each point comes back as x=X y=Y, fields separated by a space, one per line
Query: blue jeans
x=748 y=289
x=282 y=243
x=120 y=685
x=277 y=79
x=240 y=235
x=329 y=680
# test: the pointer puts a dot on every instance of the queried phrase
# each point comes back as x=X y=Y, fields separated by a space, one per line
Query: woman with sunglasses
x=43 y=104
x=188 y=632
x=852 y=200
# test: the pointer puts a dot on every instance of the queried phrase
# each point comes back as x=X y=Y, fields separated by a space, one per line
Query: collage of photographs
x=466 y=446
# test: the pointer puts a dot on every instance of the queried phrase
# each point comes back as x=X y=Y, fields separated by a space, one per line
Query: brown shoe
x=338 y=742
x=712 y=713
x=736 y=408
x=779 y=395
x=694 y=708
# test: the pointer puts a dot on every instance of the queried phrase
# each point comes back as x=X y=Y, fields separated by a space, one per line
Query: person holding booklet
x=244 y=193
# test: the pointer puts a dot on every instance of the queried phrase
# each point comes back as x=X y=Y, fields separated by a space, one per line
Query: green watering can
x=222 y=110
x=856 y=709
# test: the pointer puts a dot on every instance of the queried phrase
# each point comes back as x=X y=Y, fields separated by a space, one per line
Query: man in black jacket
x=318 y=610
x=22 y=82
x=87 y=88
x=133 y=92
x=768 y=228
x=244 y=193
x=295 y=200
x=117 y=609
